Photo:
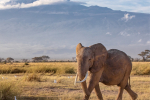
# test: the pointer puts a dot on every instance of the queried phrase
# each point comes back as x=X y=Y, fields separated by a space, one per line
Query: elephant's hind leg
x=124 y=82
x=98 y=92
x=120 y=93
x=131 y=93
x=121 y=87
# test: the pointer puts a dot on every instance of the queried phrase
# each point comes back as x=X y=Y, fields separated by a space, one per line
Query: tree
x=145 y=54
x=45 y=58
x=148 y=56
x=1 y=59
x=42 y=58
x=73 y=58
x=37 y=59
x=24 y=60
x=9 y=59
x=137 y=59
x=130 y=58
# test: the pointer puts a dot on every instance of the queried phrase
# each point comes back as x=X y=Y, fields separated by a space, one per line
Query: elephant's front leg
x=98 y=92
x=94 y=80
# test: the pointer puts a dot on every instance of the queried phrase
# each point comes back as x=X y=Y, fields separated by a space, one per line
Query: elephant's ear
x=78 y=47
x=100 y=56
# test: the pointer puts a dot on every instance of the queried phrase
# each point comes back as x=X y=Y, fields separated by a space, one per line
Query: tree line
x=144 y=54
x=43 y=58
x=35 y=59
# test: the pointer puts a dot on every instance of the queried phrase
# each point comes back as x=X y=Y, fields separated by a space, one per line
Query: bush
x=26 y=63
x=8 y=91
x=70 y=70
x=17 y=70
x=33 y=77
x=4 y=62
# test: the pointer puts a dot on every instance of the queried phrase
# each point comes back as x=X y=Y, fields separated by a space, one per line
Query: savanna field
x=55 y=81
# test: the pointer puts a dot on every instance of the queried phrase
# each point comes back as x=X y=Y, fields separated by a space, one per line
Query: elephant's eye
x=89 y=59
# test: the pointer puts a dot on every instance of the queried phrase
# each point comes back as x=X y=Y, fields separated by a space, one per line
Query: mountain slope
x=56 y=29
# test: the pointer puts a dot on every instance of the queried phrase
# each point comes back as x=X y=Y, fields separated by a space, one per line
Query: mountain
x=56 y=29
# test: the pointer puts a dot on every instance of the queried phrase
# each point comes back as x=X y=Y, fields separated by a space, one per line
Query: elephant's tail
x=129 y=82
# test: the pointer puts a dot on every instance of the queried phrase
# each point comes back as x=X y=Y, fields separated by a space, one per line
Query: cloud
x=127 y=17
x=4 y=5
x=124 y=33
x=124 y=5
x=140 y=40
x=148 y=42
x=108 y=33
x=3 y=2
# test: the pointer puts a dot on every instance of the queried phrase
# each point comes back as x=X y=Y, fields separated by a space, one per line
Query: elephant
x=112 y=67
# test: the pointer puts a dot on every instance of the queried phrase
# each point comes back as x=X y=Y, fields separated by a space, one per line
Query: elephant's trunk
x=81 y=80
x=83 y=83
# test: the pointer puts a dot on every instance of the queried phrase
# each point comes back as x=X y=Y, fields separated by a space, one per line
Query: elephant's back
x=115 y=67
x=116 y=57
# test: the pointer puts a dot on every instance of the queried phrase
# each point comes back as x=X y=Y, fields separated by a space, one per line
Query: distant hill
x=56 y=29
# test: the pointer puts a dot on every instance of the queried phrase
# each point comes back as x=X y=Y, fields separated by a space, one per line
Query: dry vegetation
x=141 y=68
x=37 y=82
x=54 y=67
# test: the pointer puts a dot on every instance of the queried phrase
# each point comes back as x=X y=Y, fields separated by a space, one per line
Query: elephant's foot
x=120 y=98
x=134 y=97
x=86 y=97
x=100 y=99
x=131 y=93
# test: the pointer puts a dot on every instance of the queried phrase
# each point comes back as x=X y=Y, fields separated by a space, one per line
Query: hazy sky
x=142 y=6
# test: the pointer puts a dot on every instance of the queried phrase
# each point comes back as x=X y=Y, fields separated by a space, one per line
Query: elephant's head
x=89 y=59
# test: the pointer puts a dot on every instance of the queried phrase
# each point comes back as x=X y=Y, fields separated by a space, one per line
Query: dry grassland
x=38 y=84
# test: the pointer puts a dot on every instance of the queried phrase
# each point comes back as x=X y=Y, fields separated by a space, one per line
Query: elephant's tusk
x=80 y=81
x=76 y=79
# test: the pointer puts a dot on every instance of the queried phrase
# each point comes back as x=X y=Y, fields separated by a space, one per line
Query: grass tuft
x=33 y=77
x=8 y=91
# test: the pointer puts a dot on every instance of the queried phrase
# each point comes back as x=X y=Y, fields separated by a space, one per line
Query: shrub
x=17 y=70
x=70 y=70
x=8 y=91
x=26 y=63
x=4 y=62
x=33 y=77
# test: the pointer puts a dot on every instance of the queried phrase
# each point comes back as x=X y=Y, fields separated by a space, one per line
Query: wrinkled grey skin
x=112 y=67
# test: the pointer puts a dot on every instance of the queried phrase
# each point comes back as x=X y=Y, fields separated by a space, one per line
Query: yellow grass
x=44 y=88
x=65 y=89
x=54 y=67
x=139 y=68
